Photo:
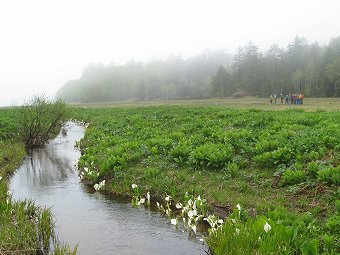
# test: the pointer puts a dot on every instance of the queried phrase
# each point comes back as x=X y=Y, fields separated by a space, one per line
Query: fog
x=44 y=44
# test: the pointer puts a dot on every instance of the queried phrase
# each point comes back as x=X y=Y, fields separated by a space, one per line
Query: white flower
x=157 y=204
x=174 y=221
x=192 y=213
x=190 y=202
x=86 y=169
x=193 y=227
x=148 y=197
x=178 y=205
x=237 y=231
x=167 y=198
x=185 y=208
x=142 y=201
x=0 y=178
x=199 y=217
x=99 y=186
x=184 y=219
x=199 y=197
x=134 y=186
x=267 y=227
x=238 y=207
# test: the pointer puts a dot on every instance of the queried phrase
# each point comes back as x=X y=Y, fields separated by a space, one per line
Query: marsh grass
x=228 y=155
x=25 y=228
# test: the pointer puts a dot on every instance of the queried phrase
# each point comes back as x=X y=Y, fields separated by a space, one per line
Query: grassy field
x=272 y=170
x=310 y=104
x=281 y=168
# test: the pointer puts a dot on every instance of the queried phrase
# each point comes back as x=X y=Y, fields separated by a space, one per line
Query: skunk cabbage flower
x=192 y=213
x=193 y=227
x=148 y=197
x=178 y=205
x=238 y=207
x=267 y=227
x=174 y=222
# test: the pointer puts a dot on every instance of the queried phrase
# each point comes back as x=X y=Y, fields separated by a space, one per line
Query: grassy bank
x=25 y=228
x=281 y=166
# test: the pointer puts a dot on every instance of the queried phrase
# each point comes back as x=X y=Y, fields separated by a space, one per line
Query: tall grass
x=25 y=228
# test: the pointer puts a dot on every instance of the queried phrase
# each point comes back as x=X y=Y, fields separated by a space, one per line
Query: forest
x=301 y=67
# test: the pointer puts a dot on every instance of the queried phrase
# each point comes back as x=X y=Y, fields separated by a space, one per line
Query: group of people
x=287 y=99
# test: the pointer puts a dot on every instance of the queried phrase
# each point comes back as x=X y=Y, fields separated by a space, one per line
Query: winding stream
x=99 y=224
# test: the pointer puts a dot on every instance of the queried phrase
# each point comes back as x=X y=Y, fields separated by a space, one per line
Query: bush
x=181 y=152
x=291 y=177
x=40 y=120
x=213 y=155
x=274 y=158
x=312 y=168
x=330 y=175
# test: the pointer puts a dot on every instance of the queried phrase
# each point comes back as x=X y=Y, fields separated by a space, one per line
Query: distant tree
x=298 y=80
x=333 y=74
x=141 y=90
x=221 y=82
x=312 y=78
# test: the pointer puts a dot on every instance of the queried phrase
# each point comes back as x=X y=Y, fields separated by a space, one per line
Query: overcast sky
x=45 y=43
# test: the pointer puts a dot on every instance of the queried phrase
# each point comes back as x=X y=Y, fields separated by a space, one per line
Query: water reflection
x=100 y=225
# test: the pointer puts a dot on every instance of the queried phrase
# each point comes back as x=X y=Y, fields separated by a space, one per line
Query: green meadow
x=271 y=172
x=280 y=163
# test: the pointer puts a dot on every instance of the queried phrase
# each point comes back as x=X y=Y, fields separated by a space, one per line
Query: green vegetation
x=25 y=228
x=282 y=167
x=301 y=67
x=40 y=119
x=270 y=162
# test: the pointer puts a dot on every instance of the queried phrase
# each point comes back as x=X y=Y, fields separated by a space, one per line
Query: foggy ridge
x=302 y=67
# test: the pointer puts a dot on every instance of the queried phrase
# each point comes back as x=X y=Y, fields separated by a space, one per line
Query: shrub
x=333 y=224
x=330 y=175
x=313 y=168
x=41 y=119
x=291 y=177
x=181 y=152
x=274 y=158
x=213 y=155
x=233 y=169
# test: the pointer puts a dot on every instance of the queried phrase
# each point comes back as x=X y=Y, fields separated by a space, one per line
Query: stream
x=97 y=223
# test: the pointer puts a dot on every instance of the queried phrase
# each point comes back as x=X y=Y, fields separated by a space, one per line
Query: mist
x=44 y=45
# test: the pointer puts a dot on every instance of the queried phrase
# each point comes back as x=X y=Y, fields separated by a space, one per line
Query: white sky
x=45 y=43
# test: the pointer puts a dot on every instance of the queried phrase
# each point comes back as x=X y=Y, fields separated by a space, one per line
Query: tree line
x=301 y=67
